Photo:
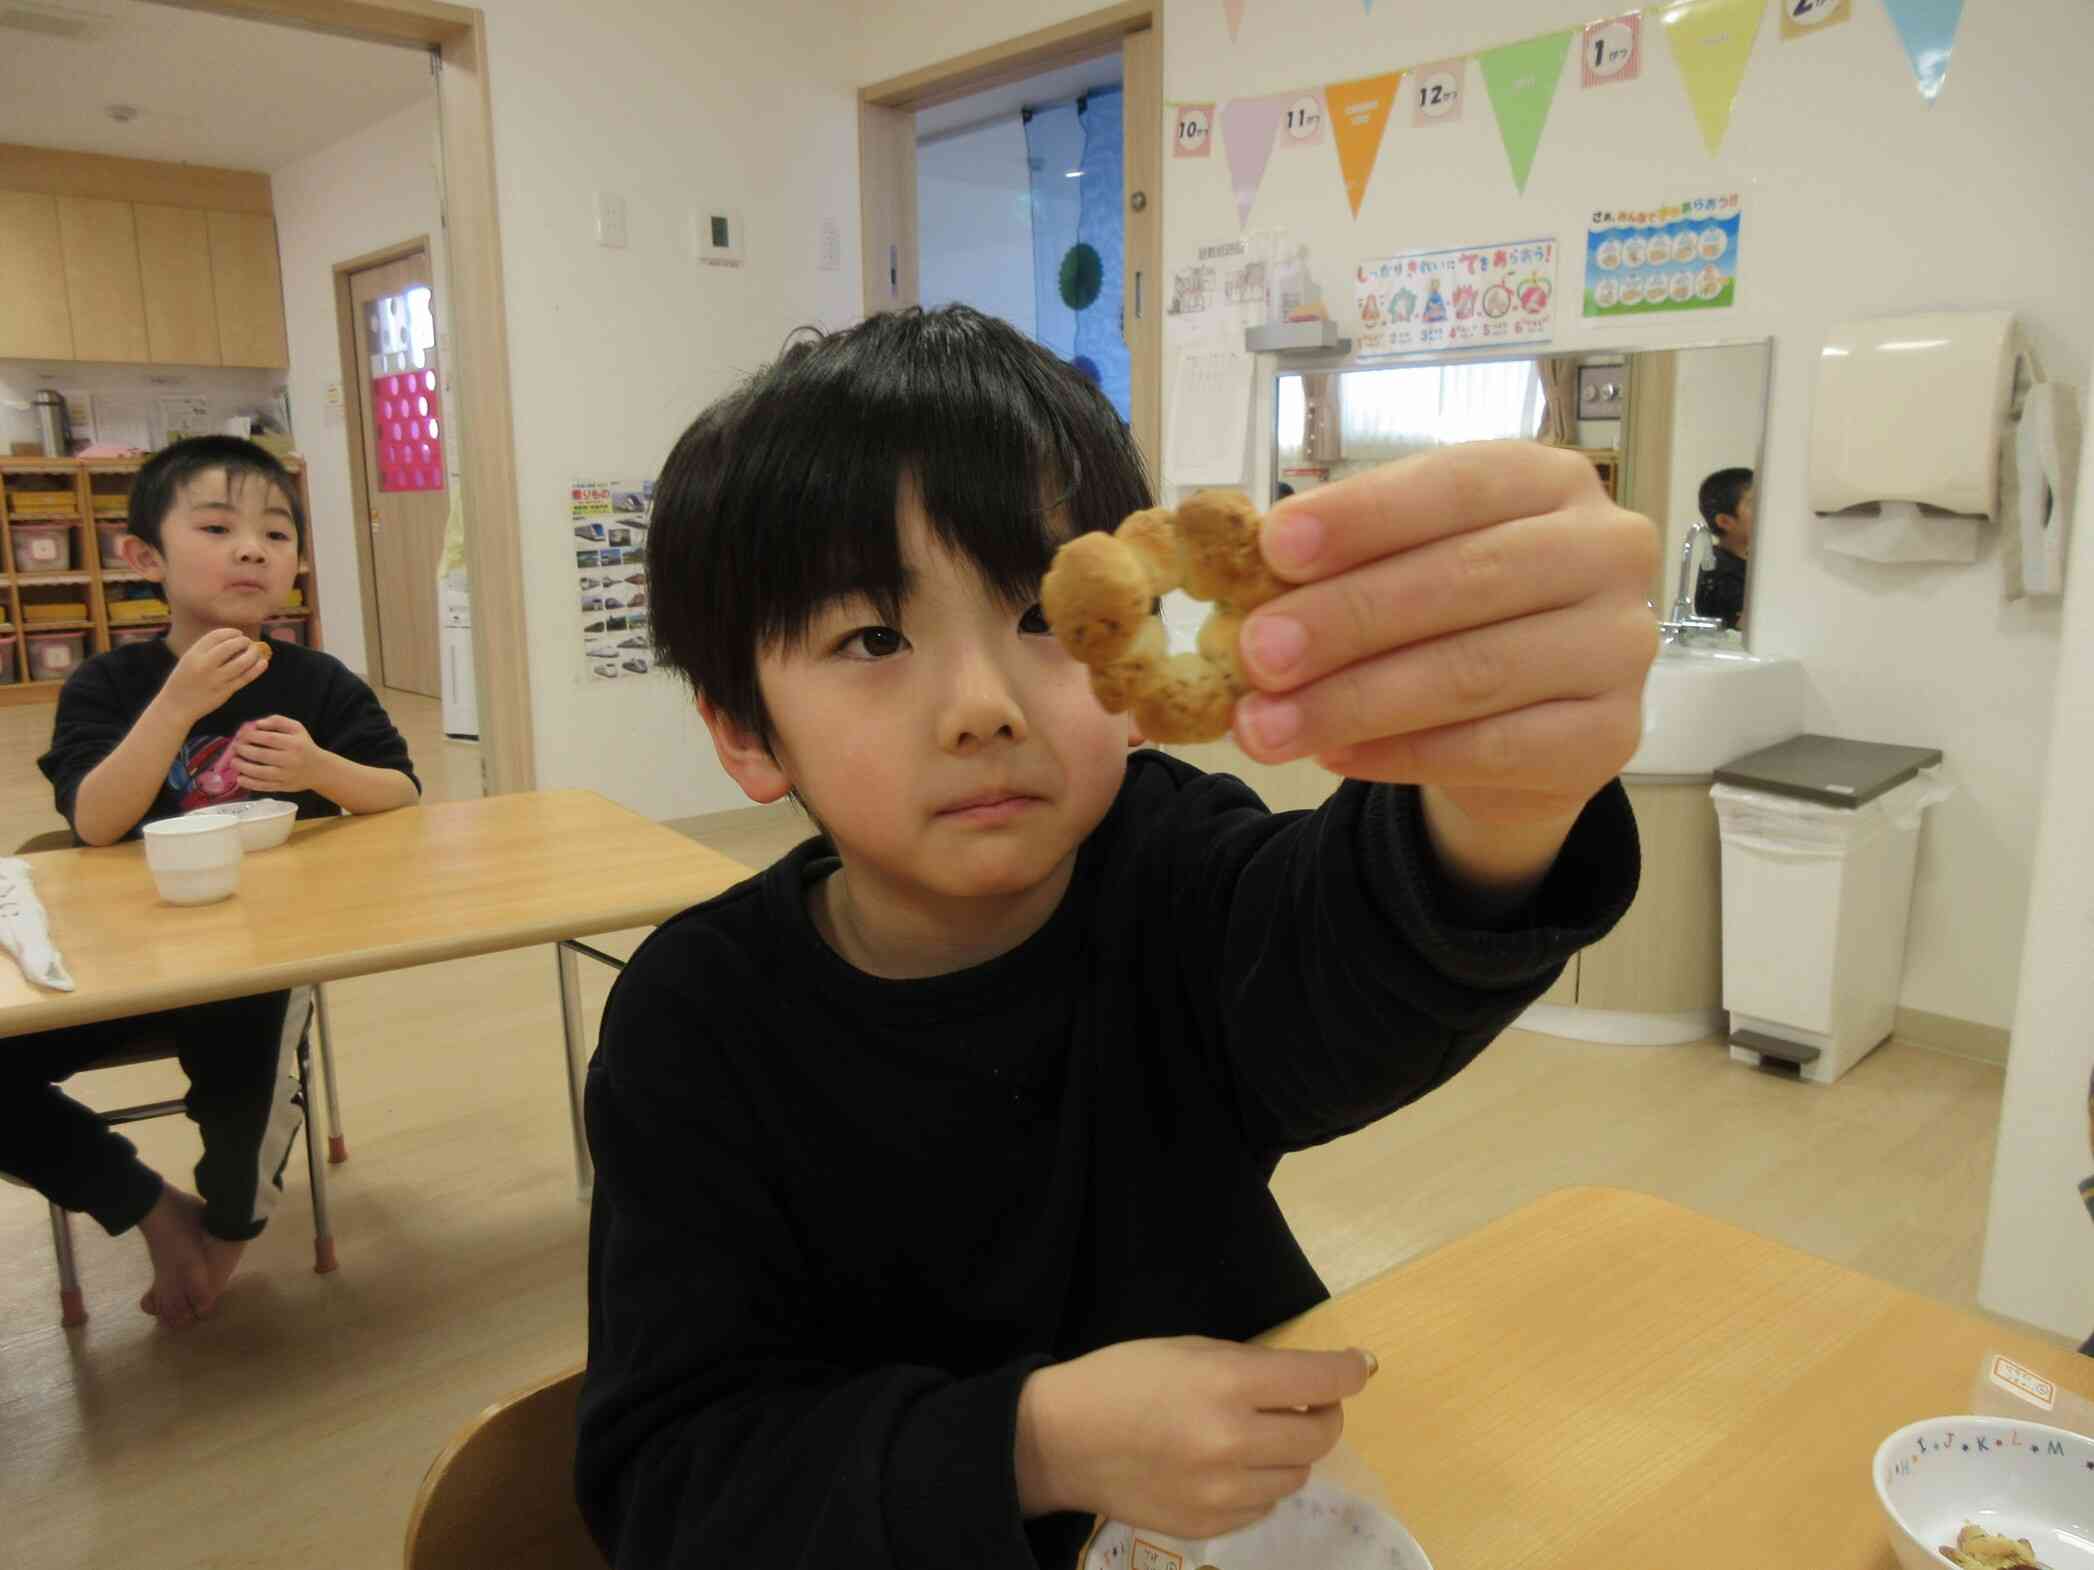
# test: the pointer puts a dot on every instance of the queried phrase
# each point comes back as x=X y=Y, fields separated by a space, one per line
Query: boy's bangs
x=985 y=442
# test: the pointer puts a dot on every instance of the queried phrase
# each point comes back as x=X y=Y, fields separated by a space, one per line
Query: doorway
x=889 y=198
x=397 y=435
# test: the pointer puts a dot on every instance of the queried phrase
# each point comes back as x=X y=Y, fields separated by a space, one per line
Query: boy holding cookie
x=208 y=713
x=932 y=1206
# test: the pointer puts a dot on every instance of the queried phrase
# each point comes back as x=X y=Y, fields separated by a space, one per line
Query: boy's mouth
x=995 y=806
x=246 y=585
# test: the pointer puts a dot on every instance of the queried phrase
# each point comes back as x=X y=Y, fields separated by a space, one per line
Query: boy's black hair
x=1720 y=495
x=160 y=481
x=781 y=498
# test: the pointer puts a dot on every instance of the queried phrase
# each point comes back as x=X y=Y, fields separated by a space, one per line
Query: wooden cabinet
x=249 y=290
x=102 y=284
x=181 y=305
x=1666 y=956
x=90 y=279
x=36 y=323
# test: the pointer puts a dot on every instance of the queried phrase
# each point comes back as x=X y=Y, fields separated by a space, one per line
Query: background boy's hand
x=217 y=665
x=1472 y=619
x=1187 y=1436
x=278 y=754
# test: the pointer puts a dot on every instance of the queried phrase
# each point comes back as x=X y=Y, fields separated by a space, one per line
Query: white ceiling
x=1048 y=87
x=208 y=89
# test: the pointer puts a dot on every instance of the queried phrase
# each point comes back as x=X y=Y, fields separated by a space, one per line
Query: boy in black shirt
x=208 y=713
x=932 y=1191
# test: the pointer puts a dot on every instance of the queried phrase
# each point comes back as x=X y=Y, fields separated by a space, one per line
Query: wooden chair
x=148 y=1048
x=502 y=1491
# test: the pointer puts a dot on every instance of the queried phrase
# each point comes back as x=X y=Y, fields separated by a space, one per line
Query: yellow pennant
x=1712 y=41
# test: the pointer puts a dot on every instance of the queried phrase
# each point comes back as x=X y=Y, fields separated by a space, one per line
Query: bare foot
x=173 y=1229
x=221 y=1259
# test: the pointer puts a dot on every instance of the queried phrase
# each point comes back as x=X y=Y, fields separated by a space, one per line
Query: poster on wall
x=1472 y=297
x=608 y=520
x=1679 y=256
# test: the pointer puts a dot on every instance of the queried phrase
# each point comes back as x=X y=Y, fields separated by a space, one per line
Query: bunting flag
x=1802 y=18
x=1437 y=90
x=1359 y=114
x=1233 y=10
x=1612 y=51
x=1712 y=42
x=1928 y=30
x=1522 y=82
x=1303 y=122
x=1248 y=126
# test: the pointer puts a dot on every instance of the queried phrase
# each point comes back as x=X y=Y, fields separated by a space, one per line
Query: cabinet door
x=181 y=307
x=101 y=279
x=249 y=289
x=35 y=321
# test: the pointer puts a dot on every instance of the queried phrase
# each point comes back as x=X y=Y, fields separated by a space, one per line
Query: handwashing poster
x=1682 y=256
x=608 y=520
x=1473 y=297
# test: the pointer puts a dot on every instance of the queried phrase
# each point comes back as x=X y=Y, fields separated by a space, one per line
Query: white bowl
x=194 y=860
x=265 y=823
x=2015 y=1479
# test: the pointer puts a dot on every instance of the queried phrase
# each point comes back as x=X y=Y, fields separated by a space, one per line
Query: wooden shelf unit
x=33 y=490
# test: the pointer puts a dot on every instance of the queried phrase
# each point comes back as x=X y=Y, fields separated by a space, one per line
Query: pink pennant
x=1233 y=10
x=1248 y=126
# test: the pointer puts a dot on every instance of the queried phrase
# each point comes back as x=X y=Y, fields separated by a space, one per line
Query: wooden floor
x=294 y=1427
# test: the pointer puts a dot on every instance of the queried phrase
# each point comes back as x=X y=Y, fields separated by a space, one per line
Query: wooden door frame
x=346 y=326
x=479 y=355
x=887 y=170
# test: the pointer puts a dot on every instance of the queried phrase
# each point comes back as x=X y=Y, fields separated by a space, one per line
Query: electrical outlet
x=610 y=220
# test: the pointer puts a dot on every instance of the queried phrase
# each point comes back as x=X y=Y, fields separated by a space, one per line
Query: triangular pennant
x=1522 y=81
x=1712 y=41
x=1928 y=30
x=1233 y=10
x=1248 y=126
x=1370 y=6
x=1359 y=114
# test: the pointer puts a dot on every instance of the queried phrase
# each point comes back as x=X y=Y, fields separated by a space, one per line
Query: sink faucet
x=1682 y=623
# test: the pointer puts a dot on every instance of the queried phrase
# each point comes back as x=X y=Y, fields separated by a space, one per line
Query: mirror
x=1676 y=434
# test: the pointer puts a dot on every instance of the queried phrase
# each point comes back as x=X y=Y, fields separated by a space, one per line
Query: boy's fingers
x=1404 y=505
x=1293 y=1438
x=1275 y=1380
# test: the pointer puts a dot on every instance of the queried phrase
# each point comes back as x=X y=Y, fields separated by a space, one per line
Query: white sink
x=1704 y=706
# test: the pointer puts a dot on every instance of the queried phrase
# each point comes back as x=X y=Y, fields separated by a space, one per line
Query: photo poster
x=607 y=520
x=1681 y=256
x=1471 y=297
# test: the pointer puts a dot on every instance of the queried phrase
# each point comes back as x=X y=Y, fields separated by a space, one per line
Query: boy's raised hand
x=278 y=753
x=1187 y=1436
x=1473 y=619
x=216 y=666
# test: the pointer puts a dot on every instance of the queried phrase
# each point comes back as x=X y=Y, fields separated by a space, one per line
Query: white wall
x=2039 y=1239
x=613 y=352
x=974 y=222
x=1861 y=199
x=1718 y=400
x=369 y=191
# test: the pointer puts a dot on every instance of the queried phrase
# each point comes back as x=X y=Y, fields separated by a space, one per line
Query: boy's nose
x=980 y=708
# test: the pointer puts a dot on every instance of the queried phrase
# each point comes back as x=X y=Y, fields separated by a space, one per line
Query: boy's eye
x=873 y=643
x=1034 y=621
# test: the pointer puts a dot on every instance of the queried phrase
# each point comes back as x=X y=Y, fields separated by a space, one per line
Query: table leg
x=577 y=1062
x=72 y=1304
x=337 y=1147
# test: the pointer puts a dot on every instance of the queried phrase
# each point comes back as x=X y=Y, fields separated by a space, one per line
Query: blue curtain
x=1079 y=237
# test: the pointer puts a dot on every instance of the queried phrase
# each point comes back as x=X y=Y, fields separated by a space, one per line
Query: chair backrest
x=502 y=1491
x=53 y=839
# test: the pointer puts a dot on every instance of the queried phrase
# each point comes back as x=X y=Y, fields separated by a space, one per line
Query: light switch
x=832 y=246
x=610 y=220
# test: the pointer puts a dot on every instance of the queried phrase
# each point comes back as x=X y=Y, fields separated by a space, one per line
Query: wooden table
x=354 y=896
x=1602 y=1379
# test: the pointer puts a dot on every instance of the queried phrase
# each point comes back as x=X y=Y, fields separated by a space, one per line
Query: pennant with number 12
x=1436 y=91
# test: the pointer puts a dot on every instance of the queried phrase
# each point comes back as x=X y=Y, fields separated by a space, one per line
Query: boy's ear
x=142 y=558
x=747 y=760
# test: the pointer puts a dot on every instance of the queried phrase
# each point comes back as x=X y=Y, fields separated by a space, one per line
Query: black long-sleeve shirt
x=839 y=1220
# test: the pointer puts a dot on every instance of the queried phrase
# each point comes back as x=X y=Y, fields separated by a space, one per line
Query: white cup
x=194 y=860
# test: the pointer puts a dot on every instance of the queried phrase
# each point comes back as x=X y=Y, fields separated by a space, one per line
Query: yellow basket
x=42 y=504
x=124 y=612
x=41 y=611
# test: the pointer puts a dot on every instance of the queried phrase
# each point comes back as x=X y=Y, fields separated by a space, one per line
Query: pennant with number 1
x=1612 y=51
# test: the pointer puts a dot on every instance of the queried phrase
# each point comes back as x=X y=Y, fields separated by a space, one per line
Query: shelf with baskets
x=65 y=594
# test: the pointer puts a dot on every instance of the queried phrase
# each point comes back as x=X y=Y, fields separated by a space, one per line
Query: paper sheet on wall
x=608 y=522
x=1210 y=416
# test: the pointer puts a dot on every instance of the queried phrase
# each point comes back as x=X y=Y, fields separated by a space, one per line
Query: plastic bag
x=1789 y=828
x=1339 y=1520
x=24 y=931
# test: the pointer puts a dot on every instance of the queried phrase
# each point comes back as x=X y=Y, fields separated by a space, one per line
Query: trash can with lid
x=1820 y=838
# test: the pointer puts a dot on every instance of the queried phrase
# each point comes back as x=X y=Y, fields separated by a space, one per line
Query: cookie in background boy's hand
x=1473 y=619
x=215 y=667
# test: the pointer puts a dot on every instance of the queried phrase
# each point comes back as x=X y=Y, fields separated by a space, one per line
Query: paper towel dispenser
x=1911 y=409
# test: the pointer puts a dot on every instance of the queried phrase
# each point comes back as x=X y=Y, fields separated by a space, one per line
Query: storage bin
x=10 y=667
x=130 y=612
x=111 y=536
x=43 y=547
x=53 y=656
x=55 y=610
x=288 y=629
x=118 y=637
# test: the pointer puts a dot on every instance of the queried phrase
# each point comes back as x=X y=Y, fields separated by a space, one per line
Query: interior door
x=1141 y=70
x=406 y=486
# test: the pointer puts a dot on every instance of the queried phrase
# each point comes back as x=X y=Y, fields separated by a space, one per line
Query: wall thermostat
x=717 y=232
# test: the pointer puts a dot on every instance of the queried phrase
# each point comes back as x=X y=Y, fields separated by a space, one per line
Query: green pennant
x=1522 y=80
